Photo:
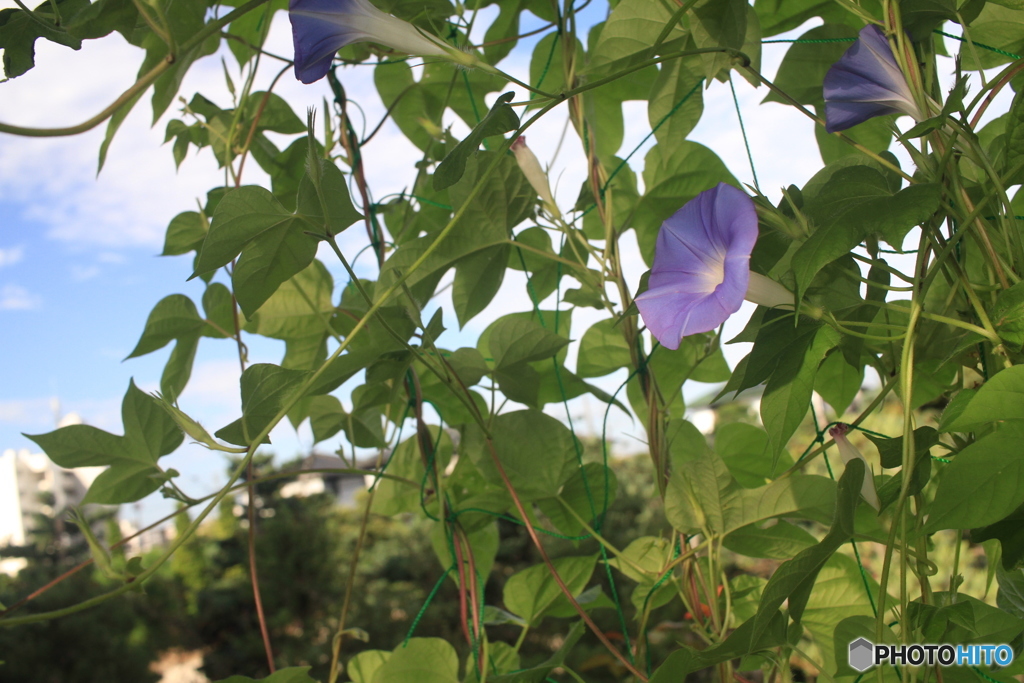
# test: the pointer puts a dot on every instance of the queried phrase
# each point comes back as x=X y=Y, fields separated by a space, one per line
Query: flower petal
x=866 y=82
x=701 y=265
x=320 y=29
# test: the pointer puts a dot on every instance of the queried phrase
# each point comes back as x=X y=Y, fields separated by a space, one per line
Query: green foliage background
x=470 y=460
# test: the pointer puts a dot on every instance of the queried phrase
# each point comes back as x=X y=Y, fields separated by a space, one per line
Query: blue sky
x=78 y=266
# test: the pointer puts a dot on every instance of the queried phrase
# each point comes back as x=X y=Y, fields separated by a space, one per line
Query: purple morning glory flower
x=866 y=82
x=322 y=27
x=701 y=269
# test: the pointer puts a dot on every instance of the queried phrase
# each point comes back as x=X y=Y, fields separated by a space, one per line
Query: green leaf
x=855 y=203
x=132 y=472
x=778 y=16
x=1009 y=531
x=364 y=665
x=788 y=393
x=265 y=389
x=793 y=580
x=272 y=241
x=588 y=492
x=18 y=35
x=505 y=199
x=1010 y=597
x=269 y=261
x=179 y=367
x=513 y=340
x=631 y=29
x=955 y=408
x=602 y=350
x=745 y=450
x=699 y=494
x=999 y=27
x=803 y=69
x=538 y=673
x=839 y=592
x=538 y=466
x=805 y=496
x=678 y=99
x=719 y=24
x=989 y=624
x=185 y=233
x=1008 y=313
x=779 y=541
x=421 y=660
x=497 y=45
x=1015 y=139
x=500 y=119
x=174 y=317
x=326 y=417
x=253 y=28
x=983 y=484
x=890 y=451
x=850 y=629
x=532 y=591
x=340 y=212
x=220 y=311
x=838 y=382
x=300 y=308
x=653 y=555
x=547 y=64
x=744 y=640
x=1000 y=398
x=293 y=674
x=477 y=279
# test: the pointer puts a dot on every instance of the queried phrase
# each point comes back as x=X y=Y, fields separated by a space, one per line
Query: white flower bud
x=848 y=452
x=531 y=168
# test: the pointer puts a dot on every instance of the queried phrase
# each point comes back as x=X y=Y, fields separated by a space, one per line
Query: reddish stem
x=554 y=572
x=462 y=588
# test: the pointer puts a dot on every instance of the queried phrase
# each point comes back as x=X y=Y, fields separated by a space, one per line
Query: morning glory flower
x=848 y=452
x=701 y=271
x=866 y=82
x=322 y=27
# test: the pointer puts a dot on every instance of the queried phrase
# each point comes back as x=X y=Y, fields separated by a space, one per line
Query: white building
x=343 y=486
x=23 y=477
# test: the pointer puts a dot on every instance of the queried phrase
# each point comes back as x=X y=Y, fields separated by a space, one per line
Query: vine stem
x=166 y=518
x=842 y=136
x=140 y=85
x=554 y=572
x=346 y=603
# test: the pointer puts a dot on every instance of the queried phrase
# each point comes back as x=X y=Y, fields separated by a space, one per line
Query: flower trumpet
x=321 y=27
x=701 y=271
x=866 y=82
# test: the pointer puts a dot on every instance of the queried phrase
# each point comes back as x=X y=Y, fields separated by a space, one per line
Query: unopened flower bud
x=848 y=452
x=531 y=168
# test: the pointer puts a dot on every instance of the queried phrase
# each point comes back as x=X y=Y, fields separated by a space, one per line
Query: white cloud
x=16 y=298
x=22 y=411
x=8 y=257
x=110 y=257
x=83 y=273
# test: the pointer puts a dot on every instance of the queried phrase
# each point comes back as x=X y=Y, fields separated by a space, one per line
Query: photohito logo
x=864 y=654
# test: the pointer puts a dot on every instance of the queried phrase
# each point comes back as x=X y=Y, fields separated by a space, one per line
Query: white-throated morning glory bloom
x=848 y=452
x=322 y=27
x=701 y=272
x=866 y=82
